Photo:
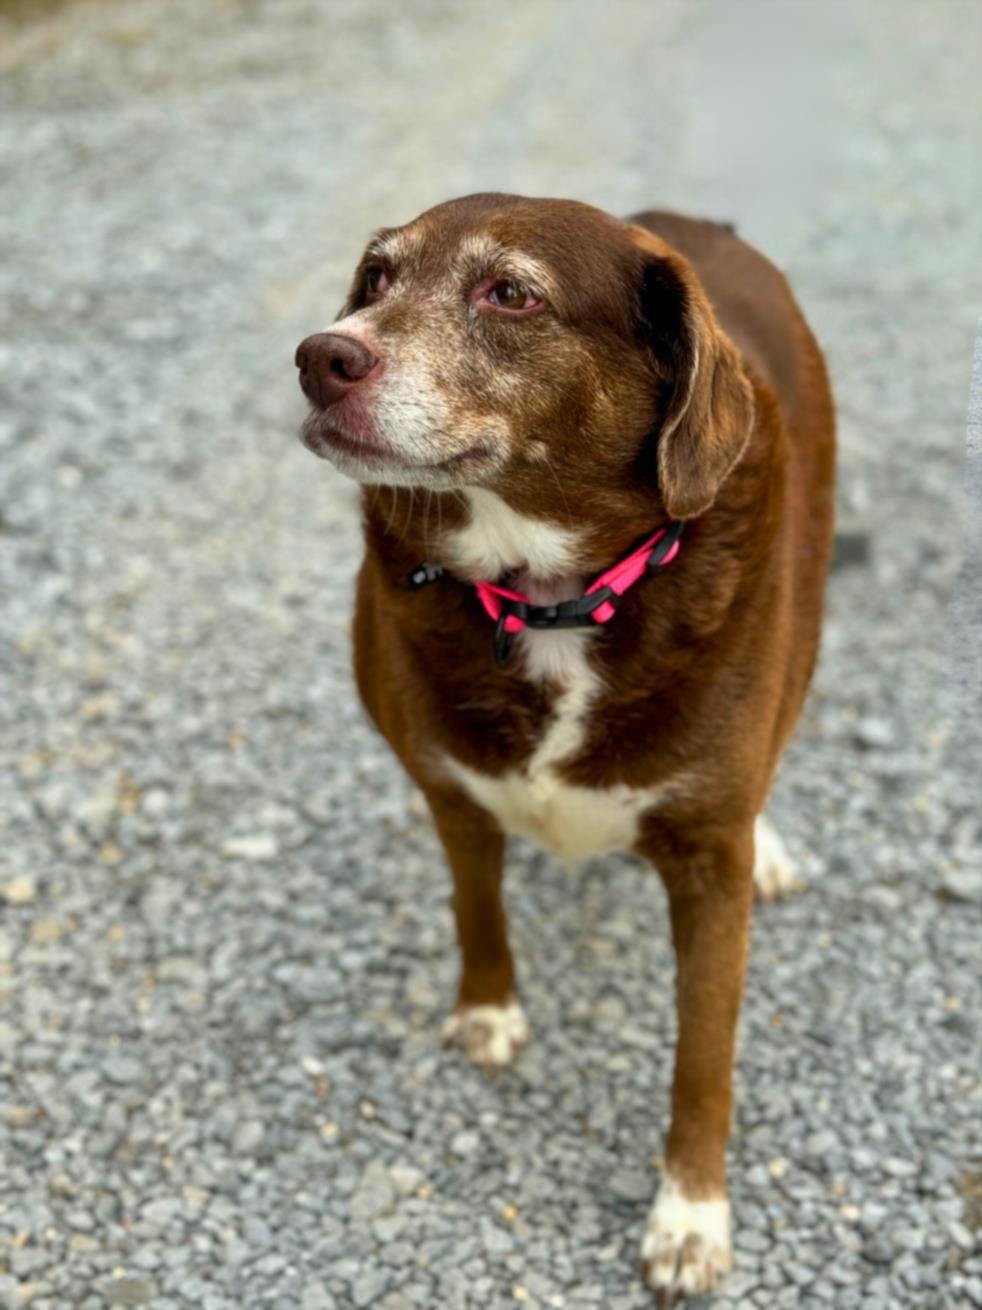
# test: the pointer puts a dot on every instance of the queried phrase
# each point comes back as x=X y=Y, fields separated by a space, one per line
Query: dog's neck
x=496 y=542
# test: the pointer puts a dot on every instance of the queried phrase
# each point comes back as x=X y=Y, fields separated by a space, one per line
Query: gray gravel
x=226 y=949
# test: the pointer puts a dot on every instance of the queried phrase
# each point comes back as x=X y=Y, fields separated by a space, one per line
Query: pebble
x=632 y=1184
x=258 y=846
x=465 y=1143
x=123 y=1069
x=162 y=1210
x=369 y=1286
x=19 y=891
x=131 y=1291
x=315 y=1296
x=248 y=1137
x=375 y=1195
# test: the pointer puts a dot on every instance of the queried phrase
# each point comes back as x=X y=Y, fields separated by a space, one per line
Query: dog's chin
x=370 y=463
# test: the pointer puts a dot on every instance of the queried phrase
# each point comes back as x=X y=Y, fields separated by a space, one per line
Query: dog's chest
x=535 y=801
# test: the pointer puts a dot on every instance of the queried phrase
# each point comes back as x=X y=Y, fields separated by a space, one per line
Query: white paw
x=686 y=1246
x=774 y=874
x=490 y=1035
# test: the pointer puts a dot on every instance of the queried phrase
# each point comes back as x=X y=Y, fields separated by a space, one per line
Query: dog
x=598 y=468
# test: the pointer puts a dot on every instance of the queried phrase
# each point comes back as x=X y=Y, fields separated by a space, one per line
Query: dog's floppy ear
x=709 y=411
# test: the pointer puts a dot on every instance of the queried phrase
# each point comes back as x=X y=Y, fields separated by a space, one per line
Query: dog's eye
x=376 y=280
x=512 y=295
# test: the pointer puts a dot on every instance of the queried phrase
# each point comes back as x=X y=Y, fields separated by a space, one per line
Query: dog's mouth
x=367 y=458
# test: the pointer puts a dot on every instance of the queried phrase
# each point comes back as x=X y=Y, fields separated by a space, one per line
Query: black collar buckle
x=576 y=613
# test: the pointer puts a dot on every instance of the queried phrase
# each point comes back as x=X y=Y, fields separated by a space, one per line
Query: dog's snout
x=330 y=363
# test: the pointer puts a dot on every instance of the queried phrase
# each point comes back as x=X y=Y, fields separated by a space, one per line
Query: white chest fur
x=573 y=822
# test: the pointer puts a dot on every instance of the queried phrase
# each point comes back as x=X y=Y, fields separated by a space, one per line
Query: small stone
x=248 y=1137
x=496 y=1240
x=388 y=1228
x=315 y=1296
x=121 y=1068
x=19 y=891
x=961 y=1236
x=630 y=1184
x=131 y=1291
x=375 y=1195
x=28 y=1260
x=20 y=1116
x=899 y=1168
x=395 y=1301
x=368 y=1287
x=465 y=1143
x=111 y=854
x=878 y=1251
x=406 y=1178
x=747 y=1239
x=45 y=932
x=739 y=1285
x=874 y=733
x=155 y=801
x=961 y=884
x=258 y=846
x=161 y=1211
x=95 y=708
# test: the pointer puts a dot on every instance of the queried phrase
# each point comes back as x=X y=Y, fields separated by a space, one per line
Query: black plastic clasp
x=570 y=613
x=501 y=642
x=567 y=614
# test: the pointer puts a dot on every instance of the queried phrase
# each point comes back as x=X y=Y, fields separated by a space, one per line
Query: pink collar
x=513 y=612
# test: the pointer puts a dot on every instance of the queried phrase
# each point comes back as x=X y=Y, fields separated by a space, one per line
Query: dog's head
x=538 y=348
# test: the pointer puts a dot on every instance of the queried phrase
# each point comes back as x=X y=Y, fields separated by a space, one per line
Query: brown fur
x=670 y=375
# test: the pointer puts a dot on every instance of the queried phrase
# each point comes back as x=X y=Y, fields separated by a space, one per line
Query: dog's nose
x=330 y=364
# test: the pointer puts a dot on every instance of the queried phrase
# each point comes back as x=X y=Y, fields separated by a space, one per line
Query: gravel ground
x=225 y=948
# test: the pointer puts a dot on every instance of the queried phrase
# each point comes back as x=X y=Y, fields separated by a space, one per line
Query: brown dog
x=535 y=392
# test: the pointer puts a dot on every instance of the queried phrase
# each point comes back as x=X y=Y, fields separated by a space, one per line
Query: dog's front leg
x=708 y=877
x=488 y=1022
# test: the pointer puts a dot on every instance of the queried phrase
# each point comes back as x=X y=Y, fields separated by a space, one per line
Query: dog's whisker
x=392 y=509
x=555 y=476
x=409 y=514
x=426 y=521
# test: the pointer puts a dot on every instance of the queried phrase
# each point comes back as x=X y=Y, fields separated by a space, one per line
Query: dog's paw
x=686 y=1245
x=490 y=1035
x=774 y=873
